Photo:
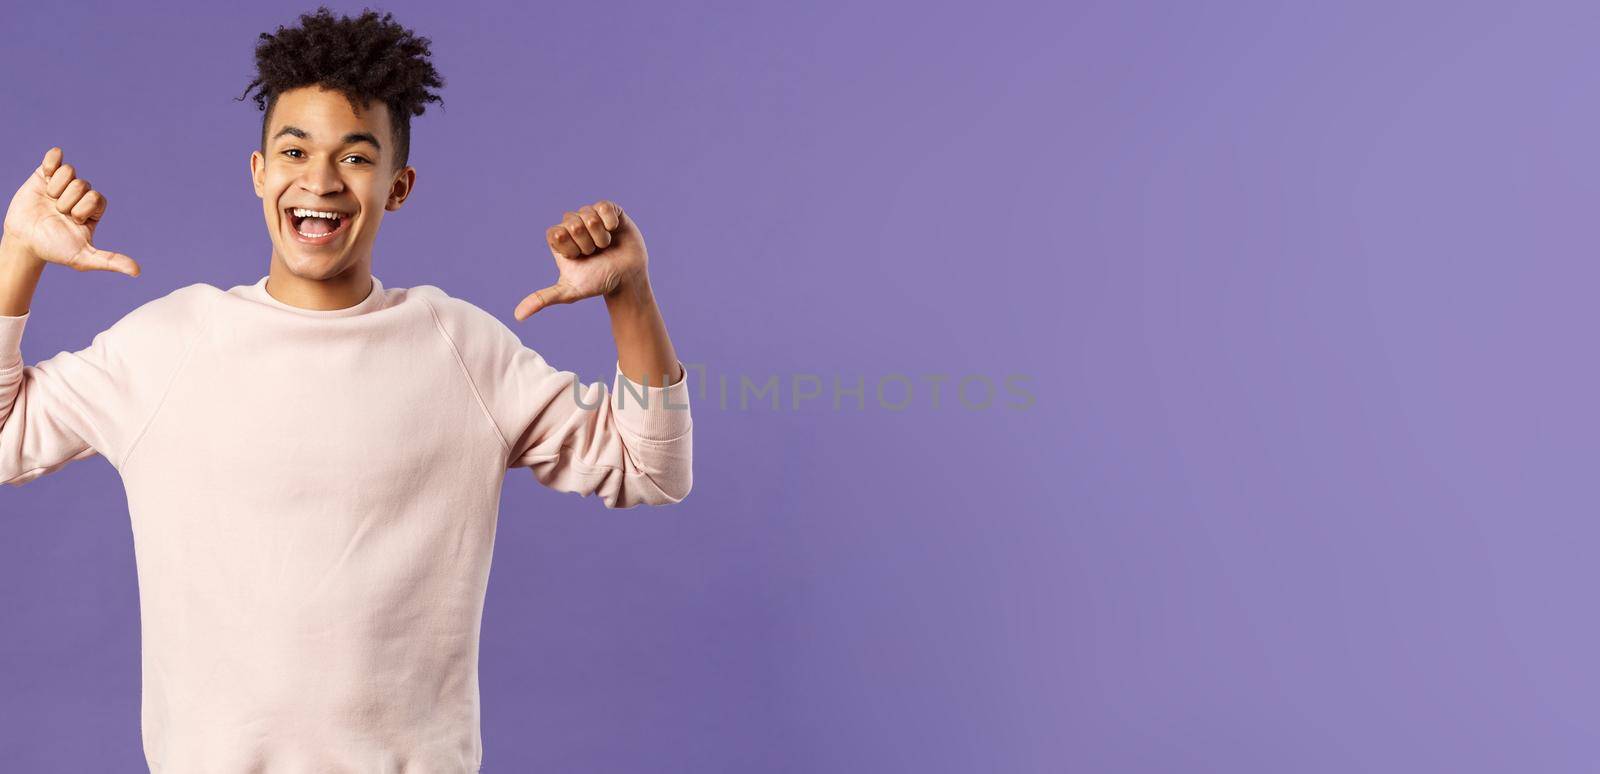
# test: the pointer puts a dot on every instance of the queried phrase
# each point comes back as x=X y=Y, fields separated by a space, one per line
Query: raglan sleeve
x=91 y=401
x=631 y=444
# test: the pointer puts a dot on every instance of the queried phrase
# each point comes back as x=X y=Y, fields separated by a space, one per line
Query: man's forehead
x=321 y=115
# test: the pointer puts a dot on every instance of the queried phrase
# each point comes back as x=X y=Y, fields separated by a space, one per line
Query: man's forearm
x=644 y=353
x=19 y=278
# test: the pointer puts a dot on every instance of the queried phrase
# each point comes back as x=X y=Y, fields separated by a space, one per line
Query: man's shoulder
x=187 y=301
x=177 y=311
x=460 y=315
x=485 y=344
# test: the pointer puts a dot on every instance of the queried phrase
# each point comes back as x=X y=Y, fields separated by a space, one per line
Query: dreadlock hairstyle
x=368 y=58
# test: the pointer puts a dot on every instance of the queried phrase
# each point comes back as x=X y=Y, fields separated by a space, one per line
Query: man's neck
x=341 y=291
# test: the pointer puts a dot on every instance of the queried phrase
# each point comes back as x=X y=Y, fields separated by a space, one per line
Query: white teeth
x=301 y=212
x=304 y=213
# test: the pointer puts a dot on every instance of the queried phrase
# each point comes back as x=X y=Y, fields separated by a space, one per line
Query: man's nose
x=321 y=179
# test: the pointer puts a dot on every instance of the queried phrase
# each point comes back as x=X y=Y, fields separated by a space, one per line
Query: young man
x=313 y=462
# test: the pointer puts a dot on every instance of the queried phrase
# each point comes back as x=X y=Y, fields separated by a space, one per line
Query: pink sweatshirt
x=314 y=497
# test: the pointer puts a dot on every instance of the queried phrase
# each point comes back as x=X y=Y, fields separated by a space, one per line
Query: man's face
x=323 y=157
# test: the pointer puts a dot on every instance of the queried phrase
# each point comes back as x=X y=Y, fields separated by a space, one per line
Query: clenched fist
x=597 y=249
x=53 y=217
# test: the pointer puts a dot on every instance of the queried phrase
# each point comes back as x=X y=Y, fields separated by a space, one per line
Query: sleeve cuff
x=652 y=413
x=11 y=334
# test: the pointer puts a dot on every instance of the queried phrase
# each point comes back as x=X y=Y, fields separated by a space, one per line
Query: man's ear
x=404 y=180
x=258 y=173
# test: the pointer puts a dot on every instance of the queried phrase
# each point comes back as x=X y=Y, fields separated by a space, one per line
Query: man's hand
x=53 y=217
x=598 y=250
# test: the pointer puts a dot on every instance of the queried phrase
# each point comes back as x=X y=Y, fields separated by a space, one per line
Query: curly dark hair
x=368 y=58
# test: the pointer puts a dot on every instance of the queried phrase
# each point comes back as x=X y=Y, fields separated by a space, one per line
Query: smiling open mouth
x=317 y=227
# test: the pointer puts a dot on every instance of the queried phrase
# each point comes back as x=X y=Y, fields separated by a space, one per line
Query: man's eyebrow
x=352 y=137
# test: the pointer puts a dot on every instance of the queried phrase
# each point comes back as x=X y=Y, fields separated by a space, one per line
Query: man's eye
x=292 y=150
x=361 y=159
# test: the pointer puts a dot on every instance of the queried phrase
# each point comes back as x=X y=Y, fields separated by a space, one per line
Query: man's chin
x=314 y=265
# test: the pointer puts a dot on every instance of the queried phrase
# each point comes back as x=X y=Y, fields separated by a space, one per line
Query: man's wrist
x=14 y=256
x=631 y=294
x=19 y=277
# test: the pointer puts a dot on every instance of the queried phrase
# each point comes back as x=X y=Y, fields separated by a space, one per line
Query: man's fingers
x=124 y=264
x=94 y=259
x=596 y=226
x=70 y=197
x=64 y=175
x=586 y=231
x=52 y=159
x=539 y=299
x=610 y=213
x=91 y=207
x=573 y=223
x=561 y=242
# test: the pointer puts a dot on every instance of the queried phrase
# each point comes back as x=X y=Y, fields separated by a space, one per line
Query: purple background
x=1306 y=295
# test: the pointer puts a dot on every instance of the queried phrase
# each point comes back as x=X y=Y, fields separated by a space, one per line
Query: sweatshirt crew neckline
x=373 y=301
